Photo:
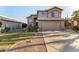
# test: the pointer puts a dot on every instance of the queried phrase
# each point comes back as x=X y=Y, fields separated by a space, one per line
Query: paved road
x=56 y=41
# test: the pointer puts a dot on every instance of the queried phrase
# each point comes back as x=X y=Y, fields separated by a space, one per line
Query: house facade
x=49 y=19
x=75 y=22
x=32 y=19
x=10 y=23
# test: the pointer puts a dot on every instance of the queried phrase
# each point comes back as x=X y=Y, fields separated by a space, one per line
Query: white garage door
x=51 y=25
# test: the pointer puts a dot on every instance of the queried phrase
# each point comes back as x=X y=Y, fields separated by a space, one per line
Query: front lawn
x=8 y=39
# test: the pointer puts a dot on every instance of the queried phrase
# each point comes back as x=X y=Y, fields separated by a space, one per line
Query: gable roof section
x=56 y=8
x=5 y=18
x=44 y=11
x=31 y=15
x=50 y=9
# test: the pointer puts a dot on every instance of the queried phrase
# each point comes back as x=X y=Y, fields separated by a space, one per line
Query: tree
x=0 y=26
x=35 y=27
x=67 y=24
x=75 y=15
x=24 y=25
x=30 y=28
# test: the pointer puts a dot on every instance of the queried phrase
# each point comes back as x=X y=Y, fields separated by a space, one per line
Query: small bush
x=7 y=29
x=76 y=28
x=2 y=50
x=32 y=28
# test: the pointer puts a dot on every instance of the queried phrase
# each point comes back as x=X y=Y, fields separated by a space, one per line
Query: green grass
x=10 y=38
x=2 y=50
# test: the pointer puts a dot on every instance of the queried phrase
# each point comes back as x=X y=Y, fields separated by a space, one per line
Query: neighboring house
x=48 y=19
x=74 y=22
x=32 y=20
x=10 y=23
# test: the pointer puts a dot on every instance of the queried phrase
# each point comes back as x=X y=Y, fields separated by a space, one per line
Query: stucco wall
x=47 y=14
x=31 y=20
x=52 y=10
x=11 y=25
x=42 y=14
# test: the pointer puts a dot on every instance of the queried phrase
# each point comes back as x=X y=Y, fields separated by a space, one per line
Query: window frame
x=55 y=14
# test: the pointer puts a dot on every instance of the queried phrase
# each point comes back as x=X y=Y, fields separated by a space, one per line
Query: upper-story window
x=54 y=14
x=44 y=14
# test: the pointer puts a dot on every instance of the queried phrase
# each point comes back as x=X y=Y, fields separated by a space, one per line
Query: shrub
x=67 y=24
x=76 y=28
x=35 y=28
x=2 y=50
x=7 y=29
x=30 y=28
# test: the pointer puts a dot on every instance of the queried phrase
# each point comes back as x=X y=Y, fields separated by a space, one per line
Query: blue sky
x=21 y=12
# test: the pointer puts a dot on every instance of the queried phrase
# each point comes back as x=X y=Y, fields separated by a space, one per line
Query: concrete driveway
x=62 y=41
x=50 y=41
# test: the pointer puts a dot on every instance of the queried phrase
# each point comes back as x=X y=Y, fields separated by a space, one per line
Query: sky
x=21 y=12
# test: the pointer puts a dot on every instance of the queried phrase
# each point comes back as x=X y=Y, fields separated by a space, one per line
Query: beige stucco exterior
x=30 y=20
x=47 y=22
x=57 y=10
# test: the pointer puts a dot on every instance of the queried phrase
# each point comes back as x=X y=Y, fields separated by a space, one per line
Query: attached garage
x=49 y=25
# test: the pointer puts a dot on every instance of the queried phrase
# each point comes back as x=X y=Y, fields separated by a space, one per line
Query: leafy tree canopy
x=75 y=14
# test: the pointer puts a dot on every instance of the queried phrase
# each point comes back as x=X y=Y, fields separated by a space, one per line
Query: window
x=44 y=14
x=35 y=18
x=54 y=14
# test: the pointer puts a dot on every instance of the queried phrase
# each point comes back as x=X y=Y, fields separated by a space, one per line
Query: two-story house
x=48 y=20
